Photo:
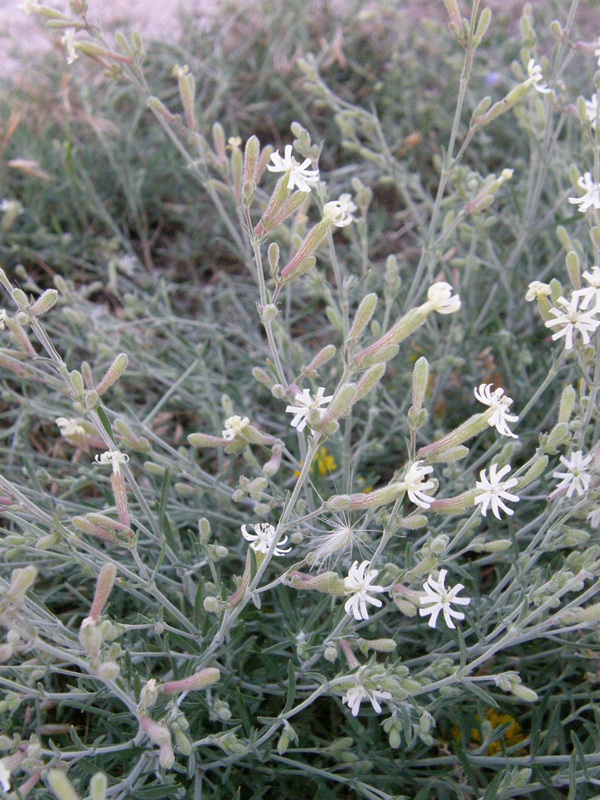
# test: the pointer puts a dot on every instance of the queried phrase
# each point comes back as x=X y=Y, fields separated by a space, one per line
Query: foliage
x=245 y=428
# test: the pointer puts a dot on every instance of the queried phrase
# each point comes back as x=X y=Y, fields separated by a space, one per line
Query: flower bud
x=115 y=371
x=523 y=693
x=108 y=671
x=20 y=581
x=44 y=303
x=363 y=316
x=467 y=430
x=397 y=333
x=157 y=732
x=90 y=637
x=369 y=381
x=327 y=582
x=379 y=645
x=558 y=436
x=98 y=785
x=454 y=505
x=340 y=406
x=61 y=786
x=158 y=107
x=567 y=402
x=104 y=585
x=375 y=499
x=533 y=473
x=187 y=92
x=166 y=757
x=420 y=382
x=251 y=154
x=322 y=357
x=200 y=680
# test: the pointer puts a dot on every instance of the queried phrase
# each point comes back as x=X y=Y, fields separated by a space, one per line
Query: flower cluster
x=500 y=403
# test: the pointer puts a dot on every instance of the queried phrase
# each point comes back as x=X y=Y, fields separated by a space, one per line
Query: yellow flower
x=323 y=462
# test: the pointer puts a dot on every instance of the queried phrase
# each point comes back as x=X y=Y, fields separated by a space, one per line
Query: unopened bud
x=108 y=671
x=523 y=693
x=567 y=402
x=340 y=406
x=158 y=107
x=363 y=316
x=533 y=473
x=90 y=637
x=551 y=442
x=104 y=585
x=327 y=582
x=369 y=381
x=379 y=645
x=375 y=499
x=166 y=757
x=420 y=382
x=322 y=357
x=115 y=371
x=98 y=786
x=20 y=581
x=467 y=430
x=187 y=92
x=61 y=786
x=251 y=154
x=200 y=680
x=44 y=303
x=158 y=733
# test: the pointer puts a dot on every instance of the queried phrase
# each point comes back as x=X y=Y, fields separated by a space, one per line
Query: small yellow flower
x=324 y=464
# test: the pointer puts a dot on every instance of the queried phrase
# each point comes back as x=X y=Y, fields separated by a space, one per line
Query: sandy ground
x=153 y=18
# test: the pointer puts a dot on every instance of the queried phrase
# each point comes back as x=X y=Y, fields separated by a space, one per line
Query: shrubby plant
x=245 y=525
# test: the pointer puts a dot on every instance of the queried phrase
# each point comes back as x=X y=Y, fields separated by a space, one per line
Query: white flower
x=439 y=599
x=262 y=538
x=113 y=457
x=416 y=485
x=500 y=403
x=494 y=491
x=70 y=427
x=7 y=206
x=576 y=480
x=536 y=290
x=339 y=212
x=591 y=109
x=570 y=318
x=68 y=41
x=5 y=774
x=591 y=293
x=358 y=584
x=234 y=427
x=358 y=693
x=591 y=196
x=534 y=71
x=441 y=298
x=594 y=518
x=299 y=174
x=305 y=403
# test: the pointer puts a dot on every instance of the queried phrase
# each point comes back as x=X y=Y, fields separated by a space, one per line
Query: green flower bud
x=61 y=786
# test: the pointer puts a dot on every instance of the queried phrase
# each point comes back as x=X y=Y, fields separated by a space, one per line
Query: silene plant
x=371 y=569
